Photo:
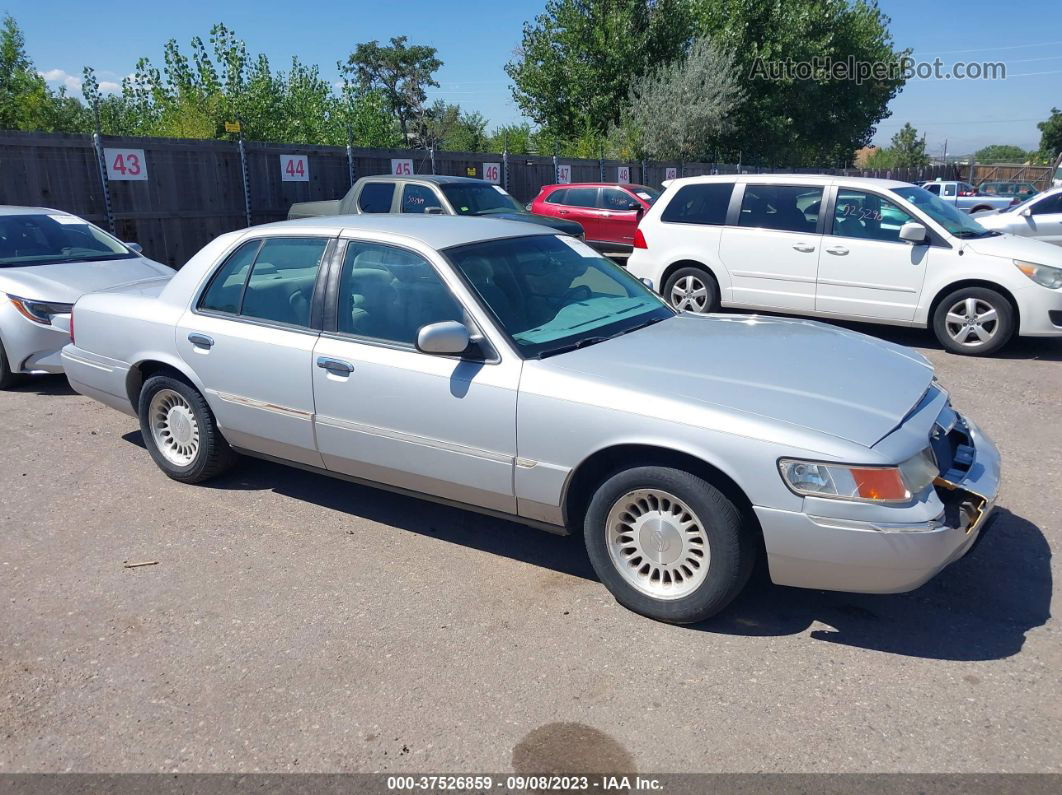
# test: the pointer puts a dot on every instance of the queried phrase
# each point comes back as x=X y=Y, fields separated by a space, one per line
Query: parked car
x=1010 y=190
x=48 y=259
x=965 y=197
x=1039 y=217
x=429 y=194
x=515 y=371
x=847 y=248
x=609 y=213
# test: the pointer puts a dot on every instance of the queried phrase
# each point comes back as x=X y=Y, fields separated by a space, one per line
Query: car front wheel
x=180 y=432
x=668 y=544
x=973 y=321
x=8 y=377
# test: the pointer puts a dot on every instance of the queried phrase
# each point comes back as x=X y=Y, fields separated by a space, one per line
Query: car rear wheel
x=180 y=432
x=973 y=321
x=692 y=289
x=668 y=544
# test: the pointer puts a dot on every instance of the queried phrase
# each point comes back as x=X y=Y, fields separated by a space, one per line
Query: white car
x=870 y=250
x=1039 y=217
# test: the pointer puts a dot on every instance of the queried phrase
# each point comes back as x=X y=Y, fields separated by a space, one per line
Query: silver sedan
x=1039 y=217
x=514 y=371
x=49 y=259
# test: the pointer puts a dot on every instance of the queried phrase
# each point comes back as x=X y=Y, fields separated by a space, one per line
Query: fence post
x=102 y=166
x=433 y=157
x=505 y=167
x=601 y=164
x=554 y=167
x=246 y=182
x=645 y=179
x=350 y=157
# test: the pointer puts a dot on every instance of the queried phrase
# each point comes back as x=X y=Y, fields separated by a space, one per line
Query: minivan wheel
x=692 y=289
x=973 y=321
x=180 y=432
x=667 y=544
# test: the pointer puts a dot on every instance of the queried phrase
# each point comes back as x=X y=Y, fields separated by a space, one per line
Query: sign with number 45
x=402 y=167
x=294 y=168
x=125 y=164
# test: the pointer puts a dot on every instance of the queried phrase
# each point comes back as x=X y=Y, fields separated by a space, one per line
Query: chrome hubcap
x=173 y=427
x=690 y=294
x=657 y=544
x=972 y=322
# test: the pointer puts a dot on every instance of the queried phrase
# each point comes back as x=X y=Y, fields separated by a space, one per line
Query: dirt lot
x=297 y=623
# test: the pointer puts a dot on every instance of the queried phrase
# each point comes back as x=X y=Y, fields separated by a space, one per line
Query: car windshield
x=645 y=193
x=553 y=293
x=54 y=237
x=955 y=221
x=479 y=199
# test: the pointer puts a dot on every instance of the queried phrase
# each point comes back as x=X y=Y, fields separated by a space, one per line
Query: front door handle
x=200 y=340
x=562 y=212
x=840 y=251
x=805 y=247
x=335 y=366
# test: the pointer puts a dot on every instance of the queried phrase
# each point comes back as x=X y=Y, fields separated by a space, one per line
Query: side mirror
x=1027 y=212
x=639 y=211
x=448 y=337
x=139 y=249
x=913 y=232
x=434 y=211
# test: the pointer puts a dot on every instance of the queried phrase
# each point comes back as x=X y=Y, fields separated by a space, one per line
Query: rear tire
x=668 y=544
x=973 y=321
x=692 y=289
x=180 y=431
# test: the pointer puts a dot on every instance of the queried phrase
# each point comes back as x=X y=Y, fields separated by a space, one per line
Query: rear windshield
x=705 y=203
x=55 y=237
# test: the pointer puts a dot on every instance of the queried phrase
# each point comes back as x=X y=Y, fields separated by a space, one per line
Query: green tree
x=679 y=110
x=517 y=138
x=578 y=59
x=908 y=148
x=788 y=120
x=447 y=127
x=1001 y=153
x=400 y=73
x=26 y=101
x=1051 y=135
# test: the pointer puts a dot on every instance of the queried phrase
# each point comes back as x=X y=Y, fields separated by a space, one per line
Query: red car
x=608 y=212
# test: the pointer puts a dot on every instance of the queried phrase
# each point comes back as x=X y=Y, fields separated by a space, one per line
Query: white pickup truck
x=965 y=196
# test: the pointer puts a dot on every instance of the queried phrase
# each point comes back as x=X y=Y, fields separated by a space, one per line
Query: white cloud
x=72 y=83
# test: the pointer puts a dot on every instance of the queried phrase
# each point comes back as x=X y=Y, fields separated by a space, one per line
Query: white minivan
x=847 y=248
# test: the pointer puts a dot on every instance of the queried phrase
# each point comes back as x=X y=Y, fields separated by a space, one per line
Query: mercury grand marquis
x=512 y=370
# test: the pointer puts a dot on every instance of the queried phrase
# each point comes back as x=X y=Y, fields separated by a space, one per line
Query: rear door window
x=581 y=197
x=787 y=208
x=376 y=197
x=699 y=204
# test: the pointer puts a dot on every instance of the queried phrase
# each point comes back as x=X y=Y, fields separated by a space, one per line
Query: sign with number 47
x=564 y=174
x=125 y=164
x=294 y=168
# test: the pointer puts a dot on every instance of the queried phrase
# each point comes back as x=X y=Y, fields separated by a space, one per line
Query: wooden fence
x=195 y=190
x=1040 y=176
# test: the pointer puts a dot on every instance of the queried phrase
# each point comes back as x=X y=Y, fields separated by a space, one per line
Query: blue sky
x=475 y=39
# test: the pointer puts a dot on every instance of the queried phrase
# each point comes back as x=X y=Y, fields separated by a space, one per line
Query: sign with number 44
x=125 y=164
x=294 y=168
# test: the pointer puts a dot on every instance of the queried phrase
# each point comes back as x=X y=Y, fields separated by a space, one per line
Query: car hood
x=1017 y=247
x=818 y=377
x=65 y=282
x=561 y=225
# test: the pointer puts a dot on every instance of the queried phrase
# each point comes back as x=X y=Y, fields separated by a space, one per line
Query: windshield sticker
x=643 y=195
x=500 y=189
x=66 y=219
x=578 y=246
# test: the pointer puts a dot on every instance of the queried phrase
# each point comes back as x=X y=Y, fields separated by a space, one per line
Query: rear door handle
x=838 y=250
x=336 y=366
x=200 y=340
x=805 y=247
x=562 y=212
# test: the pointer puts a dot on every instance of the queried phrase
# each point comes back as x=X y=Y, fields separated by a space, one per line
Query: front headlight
x=1045 y=275
x=860 y=483
x=39 y=311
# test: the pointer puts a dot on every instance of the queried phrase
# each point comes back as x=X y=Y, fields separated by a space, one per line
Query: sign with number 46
x=492 y=172
x=294 y=168
x=125 y=164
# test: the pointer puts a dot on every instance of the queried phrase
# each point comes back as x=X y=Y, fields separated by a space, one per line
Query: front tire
x=8 y=378
x=973 y=321
x=668 y=544
x=692 y=289
x=180 y=431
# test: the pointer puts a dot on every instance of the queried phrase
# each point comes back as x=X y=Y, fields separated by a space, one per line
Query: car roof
x=435 y=179
x=791 y=179
x=12 y=209
x=627 y=185
x=436 y=231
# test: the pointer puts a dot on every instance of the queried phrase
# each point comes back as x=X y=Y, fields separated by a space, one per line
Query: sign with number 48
x=623 y=174
x=125 y=164
x=294 y=168
x=492 y=172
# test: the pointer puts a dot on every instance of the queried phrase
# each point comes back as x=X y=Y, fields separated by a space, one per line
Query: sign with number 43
x=125 y=164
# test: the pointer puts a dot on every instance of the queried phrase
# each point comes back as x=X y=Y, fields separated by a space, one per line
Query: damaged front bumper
x=867 y=556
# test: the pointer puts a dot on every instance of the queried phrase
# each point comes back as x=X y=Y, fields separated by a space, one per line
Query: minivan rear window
x=706 y=203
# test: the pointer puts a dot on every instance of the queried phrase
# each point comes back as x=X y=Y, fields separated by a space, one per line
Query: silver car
x=49 y=259
x=514 y=371
x=1039 y=217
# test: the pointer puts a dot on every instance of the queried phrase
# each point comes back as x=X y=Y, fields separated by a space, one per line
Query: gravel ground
x=297 y=623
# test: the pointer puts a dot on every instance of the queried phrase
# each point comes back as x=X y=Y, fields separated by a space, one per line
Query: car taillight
x=639 y=239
